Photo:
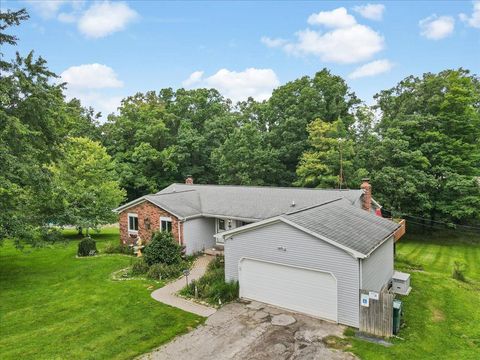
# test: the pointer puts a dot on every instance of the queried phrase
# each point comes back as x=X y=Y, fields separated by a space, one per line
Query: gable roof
x=337 y=222
x=334 y=216
x=344 y=224
x=252 y=203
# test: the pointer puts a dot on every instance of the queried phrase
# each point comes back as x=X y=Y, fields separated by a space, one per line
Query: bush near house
x=139 y=267
x=164 y=271
x=112 y=248
x=162 y=249
x=212 y=287
x=87 y=247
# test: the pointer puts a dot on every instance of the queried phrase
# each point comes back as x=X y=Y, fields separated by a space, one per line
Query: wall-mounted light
x=229 y=223
x=282 y=248
x=147 y=223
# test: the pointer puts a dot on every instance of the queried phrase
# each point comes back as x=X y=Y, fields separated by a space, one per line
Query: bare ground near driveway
x=248 y=331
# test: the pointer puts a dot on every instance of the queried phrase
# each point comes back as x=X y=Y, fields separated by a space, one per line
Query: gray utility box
x=401 y=283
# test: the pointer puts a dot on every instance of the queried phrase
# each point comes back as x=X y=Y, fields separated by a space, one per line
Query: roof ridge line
x=312 y=206
x=268 y=187
x=173 y=192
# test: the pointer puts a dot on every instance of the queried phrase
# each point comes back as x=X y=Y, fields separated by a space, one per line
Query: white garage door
x=304 y=290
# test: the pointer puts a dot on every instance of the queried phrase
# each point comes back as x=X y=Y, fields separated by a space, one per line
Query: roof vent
x=292 y=204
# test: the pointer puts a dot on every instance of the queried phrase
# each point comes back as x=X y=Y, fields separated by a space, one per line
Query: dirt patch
x=437 y=315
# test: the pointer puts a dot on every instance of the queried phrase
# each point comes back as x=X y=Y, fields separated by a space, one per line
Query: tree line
x=419 y=144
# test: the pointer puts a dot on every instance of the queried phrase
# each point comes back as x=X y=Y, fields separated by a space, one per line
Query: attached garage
x=308 y=291
x=312 y=261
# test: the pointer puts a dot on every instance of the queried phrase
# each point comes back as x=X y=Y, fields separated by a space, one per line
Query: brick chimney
x=367 y=194
x=189 y=180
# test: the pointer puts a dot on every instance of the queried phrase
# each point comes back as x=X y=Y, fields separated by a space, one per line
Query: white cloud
x=105 y=18
x=237 y=86
x=93 y=84
x=91 y=76
x=371 y=69
x=347 y=41
x=273 y=42
x=371 y=11
x=345 y=45
x=474 y=19
x=333 y=19
x=47 y=8
x=436 y=28
x=194 y=78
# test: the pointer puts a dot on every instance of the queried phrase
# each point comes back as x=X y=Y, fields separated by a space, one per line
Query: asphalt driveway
x=254 y=331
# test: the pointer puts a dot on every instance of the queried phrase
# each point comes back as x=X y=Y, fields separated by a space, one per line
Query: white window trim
x=217 y=225
x=165 y=218
x=132 y=230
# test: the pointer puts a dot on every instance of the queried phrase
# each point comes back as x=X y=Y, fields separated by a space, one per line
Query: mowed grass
x=55 y=306
x=442 y=315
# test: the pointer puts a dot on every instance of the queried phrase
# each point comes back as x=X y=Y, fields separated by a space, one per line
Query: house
x=308 y=250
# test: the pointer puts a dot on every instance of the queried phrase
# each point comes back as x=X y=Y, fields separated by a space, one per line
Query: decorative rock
x=283 y=320
x=259 y=315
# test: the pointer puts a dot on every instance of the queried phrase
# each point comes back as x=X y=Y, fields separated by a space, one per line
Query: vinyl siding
x=303 y=250
x=377 y=269
x=198 y=234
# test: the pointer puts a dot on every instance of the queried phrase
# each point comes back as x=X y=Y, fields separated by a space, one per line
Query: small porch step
x=215 y=251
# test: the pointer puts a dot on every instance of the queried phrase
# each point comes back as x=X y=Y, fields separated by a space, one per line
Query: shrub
x=458 y=272
x=139 y=267
x=112 y=248
x=164 y=271
x=162 y=249
x=87 y=247
x=212 y=287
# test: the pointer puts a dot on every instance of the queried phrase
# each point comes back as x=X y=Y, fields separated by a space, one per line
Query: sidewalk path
x=167 y=293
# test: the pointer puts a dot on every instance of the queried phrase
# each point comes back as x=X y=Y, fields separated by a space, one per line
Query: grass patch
x=56 y=306
x=442 y=317
x=211 y=287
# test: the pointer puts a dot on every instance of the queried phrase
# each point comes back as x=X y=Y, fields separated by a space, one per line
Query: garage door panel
x=305 y=290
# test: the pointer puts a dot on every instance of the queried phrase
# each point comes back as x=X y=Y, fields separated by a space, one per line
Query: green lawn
x=442 y=315
x=55 y=306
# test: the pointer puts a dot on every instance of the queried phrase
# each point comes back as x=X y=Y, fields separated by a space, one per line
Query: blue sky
x=108 y=50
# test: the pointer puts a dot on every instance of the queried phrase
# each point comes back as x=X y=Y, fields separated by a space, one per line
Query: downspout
x=360 y=271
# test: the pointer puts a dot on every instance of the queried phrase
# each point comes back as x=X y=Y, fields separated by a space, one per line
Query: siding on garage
x=302 y=250
x=198 y=234
x=377 y=269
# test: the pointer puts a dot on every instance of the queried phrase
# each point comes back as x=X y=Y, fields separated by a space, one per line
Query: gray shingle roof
x=345 y=224
x=248 y=202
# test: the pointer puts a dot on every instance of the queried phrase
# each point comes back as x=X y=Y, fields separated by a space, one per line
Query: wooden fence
x=377 y=317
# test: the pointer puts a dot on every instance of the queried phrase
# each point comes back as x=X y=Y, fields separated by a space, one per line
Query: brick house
x=313 y=249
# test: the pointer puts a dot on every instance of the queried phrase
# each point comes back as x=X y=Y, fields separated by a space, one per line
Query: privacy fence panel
x=377 y=317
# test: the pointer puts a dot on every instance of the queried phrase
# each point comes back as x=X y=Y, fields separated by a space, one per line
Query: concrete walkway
x=167 y=293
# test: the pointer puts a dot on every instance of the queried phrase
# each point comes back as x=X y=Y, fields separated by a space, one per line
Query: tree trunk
x=80 y=230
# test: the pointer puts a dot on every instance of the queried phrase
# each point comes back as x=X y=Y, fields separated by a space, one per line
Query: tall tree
x=33 y=123
x=139 y=139
x=85 y=185
x=296 y=104
x=329 y=163
x=430 y=131
x=245 y=159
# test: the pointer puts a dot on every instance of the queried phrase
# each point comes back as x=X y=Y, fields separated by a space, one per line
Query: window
x=221 y=224
x=166 y=224
x=132 y=222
